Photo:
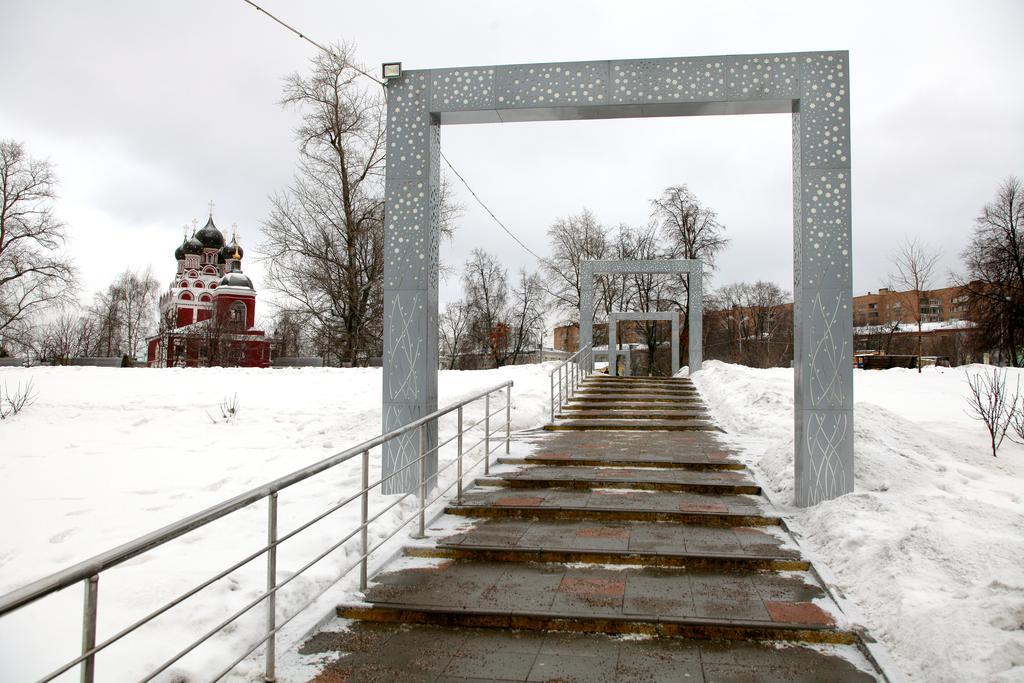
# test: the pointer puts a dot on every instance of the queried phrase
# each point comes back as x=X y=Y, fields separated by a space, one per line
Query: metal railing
x=571 y=372
x=88 y=571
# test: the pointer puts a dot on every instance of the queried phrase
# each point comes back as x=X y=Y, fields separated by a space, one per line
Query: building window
x=237 y=313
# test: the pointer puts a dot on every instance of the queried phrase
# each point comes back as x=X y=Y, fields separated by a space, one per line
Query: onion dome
x=210 y=236
x=179 y=253
x=231 y=251
x=192 y=246
x=236 y=279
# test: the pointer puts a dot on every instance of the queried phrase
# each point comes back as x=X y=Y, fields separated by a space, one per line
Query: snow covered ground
x=106 y=454
x=930 y=546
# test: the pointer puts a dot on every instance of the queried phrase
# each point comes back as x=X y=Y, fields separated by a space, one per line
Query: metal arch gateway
x=671 y=317
x=692 y=268
x=812 y=86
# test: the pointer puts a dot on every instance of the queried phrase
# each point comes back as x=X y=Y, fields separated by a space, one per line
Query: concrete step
x=625 y=381
x=704 y=515
x=603 y=460
x=400 y=653
x=480 y=553
x=668 y=601
x=583 y=484
x=641 y=479
x=592 y=399
x=651 y=413
x=571 y=622
x=591 y=405
x=633 y=425
x=626 y=391
x=638 y=543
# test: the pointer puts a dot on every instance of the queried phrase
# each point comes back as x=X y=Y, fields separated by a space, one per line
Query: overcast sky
x=151 y=109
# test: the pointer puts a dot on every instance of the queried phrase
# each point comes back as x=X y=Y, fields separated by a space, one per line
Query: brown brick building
x=884 y=322
x=887 y=306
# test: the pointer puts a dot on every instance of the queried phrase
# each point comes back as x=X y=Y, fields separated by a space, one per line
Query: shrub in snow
x=991 y=403
x=228 y=410
x=12 y=404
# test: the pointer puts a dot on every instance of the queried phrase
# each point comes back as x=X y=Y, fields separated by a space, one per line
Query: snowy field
x=106 y=454
x=930 y=546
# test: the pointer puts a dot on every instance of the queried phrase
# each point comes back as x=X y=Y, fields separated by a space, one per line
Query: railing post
x=423 y=482
x=560 y=388
x=508 y=419
x=487 y=434
x=551 y=381
x=89 y=612
x=269 y=673
x=364 y=515
x=458 y=441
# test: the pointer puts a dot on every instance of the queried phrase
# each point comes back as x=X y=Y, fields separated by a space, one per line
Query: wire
x=309 y=40
x=312 y=42
x=488 y=210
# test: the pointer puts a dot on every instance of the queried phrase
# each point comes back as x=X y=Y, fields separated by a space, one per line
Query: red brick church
x=208 y=315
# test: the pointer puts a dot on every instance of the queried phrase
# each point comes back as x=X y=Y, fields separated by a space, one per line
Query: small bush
x=13 y=403
x=228 y=410
x=991 y=403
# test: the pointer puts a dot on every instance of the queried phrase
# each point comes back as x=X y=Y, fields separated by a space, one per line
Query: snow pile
x=107 y=454
x=930 y=545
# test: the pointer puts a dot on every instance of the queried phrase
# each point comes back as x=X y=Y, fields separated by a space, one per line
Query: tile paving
x=568 y=569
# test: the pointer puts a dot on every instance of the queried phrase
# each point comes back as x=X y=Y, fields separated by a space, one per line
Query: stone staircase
x=633 y=403
x=628 y=545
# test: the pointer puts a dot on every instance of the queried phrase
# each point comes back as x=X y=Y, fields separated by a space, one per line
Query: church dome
x=192 y=246
x=210 y=236
x=179 y=253
x=236 y=279
x=229 y=251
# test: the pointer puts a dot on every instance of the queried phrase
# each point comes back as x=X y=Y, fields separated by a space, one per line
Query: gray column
x=587 y=311
x=613 y=346
x=695 y=312
x=822 y=283
x=412 y=194
x=674 y=329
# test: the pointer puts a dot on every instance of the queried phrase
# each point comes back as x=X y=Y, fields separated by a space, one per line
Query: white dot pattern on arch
x=552 y=84
x=824 y=111
x=825 y=229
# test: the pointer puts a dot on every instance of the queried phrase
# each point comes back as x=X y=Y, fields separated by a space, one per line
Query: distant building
x=887 y=306
x=208 y=314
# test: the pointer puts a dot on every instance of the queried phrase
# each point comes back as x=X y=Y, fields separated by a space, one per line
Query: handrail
x=88 y=570
x=578 y=368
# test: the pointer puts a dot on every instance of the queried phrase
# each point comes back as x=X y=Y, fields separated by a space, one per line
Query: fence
x=88 y=572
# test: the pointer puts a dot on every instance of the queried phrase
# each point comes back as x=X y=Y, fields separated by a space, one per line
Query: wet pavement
x=601 y=555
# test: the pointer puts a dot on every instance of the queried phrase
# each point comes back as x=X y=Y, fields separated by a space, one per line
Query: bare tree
x=527 y=313
x=914 y=267
x=991 y=403
x=324 y=238
x=453 y=326
x=69 y=333
x=485 y=282
x=288 y=329
x=994 y=278
x=106 y=314
x=135 y=296
x=751 y=324
x=34 y=272
x=691 y=229
x=574 y=239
